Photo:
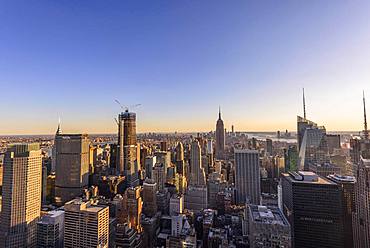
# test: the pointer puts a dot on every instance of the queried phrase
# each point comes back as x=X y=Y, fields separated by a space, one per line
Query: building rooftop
x=307 y=177
x=342 y=179
x=81 y=205
x=50 y=217
x=267 y=215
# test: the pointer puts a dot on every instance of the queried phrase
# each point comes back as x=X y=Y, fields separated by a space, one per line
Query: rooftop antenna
x=366 y=132
x=219 y=112
x=59 y=130
x=304 y=105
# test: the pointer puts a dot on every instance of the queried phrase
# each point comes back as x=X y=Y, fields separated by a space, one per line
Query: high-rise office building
x=180 y=161
x=220 y=138
x=159 y=175
x=347 y=187
x=21 y=202
x=247 y=176
x=268 y=227
x=196 y=193
x=333 y=141
x=176 y=205
x=128 y=149
x=149 y=163
x=197 y=176
x=132 y=164
x=134 y=207
x=150 y=197
x=312 y=141
x=361 y=217
x=50 y=230
x=72 y=166
x=313 y=207
x=269 y=146
x=85 y=225
x=127 y=237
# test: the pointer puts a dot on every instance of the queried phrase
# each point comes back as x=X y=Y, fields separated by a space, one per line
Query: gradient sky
x=181 y=60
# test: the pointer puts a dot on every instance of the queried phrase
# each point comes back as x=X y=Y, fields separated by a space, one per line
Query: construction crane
x=126 y=108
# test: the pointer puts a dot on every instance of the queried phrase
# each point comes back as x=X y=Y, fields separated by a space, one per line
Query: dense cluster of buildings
x=217 y=189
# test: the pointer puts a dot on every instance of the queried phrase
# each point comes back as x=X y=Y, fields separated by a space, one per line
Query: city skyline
x=253 y=61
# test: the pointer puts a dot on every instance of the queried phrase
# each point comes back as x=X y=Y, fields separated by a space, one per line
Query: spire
x=219 y=112
x=59 y=130
x=304 y=105
x=366 y=133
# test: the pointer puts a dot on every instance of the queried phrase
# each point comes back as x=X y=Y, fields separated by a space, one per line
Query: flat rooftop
x=307 y=177
x=267 y=215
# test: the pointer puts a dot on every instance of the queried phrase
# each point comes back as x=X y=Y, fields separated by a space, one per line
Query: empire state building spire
x=219 y=112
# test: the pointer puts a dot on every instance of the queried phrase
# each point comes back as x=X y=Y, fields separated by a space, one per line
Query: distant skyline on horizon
x=181 y=60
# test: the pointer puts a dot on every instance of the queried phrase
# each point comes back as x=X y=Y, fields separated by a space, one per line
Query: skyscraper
x=196 y=193
x=134 y=207
x=86 y=225
x=72 y=166
x=346 y=184
x=197 y=177
x=361 y=217
x=128 y=152
x=220 y=138
x=312 y=143
x=247 y=176
x=180 y=162
x=313 y=207
x=149 y=197
x=21 y=203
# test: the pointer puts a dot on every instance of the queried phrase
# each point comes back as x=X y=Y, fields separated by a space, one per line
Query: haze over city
x=181 y=60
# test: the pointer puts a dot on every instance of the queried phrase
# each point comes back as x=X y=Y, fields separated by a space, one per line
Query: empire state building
x=220 y=138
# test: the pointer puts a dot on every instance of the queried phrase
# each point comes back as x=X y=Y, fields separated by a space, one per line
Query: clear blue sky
x=181 y=60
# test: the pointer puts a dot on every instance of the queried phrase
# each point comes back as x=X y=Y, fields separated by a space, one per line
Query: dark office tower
x=333 y=142
x=269 y=146
x=361 y=220
x=21 y=203
x=313 y=207
x=347 y=186
x=113 y=156
x=180 y=162
x=164 y=146
x=72 y=166
x=247 y=176
x=126 y=135
x=220 y=138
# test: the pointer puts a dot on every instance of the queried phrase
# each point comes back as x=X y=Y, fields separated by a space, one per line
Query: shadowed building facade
x=72 y=166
